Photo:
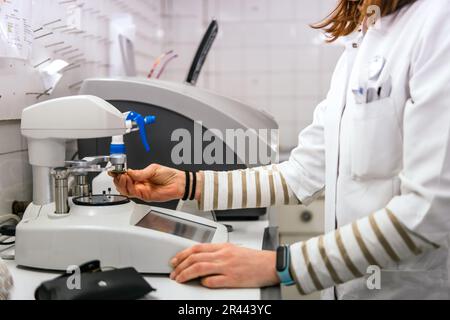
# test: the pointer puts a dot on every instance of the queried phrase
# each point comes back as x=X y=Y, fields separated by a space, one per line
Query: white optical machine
x=59 y=231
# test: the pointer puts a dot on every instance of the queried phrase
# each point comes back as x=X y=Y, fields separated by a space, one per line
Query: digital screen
x=179 y=227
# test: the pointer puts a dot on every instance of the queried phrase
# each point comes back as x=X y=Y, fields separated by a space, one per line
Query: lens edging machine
x=59 y=230
x=181 y=105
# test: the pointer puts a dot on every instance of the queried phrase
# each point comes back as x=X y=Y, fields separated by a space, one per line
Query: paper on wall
x=16 y=34
x=74 y=17
x=51 y=74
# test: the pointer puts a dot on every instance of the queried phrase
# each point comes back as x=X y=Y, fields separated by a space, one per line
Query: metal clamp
x=61 y=176
x=80 y=170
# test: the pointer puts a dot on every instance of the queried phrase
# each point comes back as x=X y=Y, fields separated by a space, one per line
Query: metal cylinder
x=119 y=162
x=119 y=168
x=60 y=175
x=81 y=188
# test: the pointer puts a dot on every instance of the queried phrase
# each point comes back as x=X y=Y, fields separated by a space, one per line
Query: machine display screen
x=182 y=228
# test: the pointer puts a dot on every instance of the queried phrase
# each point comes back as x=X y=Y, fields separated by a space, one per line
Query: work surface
x=248 y=234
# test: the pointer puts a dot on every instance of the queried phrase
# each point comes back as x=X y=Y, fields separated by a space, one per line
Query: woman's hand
x=226 y=266
x=155 y=183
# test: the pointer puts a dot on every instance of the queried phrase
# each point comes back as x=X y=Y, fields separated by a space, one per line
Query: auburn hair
x=350 y=14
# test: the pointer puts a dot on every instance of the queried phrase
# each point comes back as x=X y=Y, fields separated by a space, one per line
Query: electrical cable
x=163 y=68
x=7 y=243
x=74 y=157
x=8 y=231
x=157 y=62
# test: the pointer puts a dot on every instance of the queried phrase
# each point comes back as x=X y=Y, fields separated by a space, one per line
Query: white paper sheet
x=51 y=74
x=16 y=34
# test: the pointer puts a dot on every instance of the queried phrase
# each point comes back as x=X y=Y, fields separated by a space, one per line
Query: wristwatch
x=283 y=265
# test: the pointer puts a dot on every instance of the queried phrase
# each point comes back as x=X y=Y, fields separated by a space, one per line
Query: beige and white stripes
x=320 y=263
x=6 y=281
x=346 y=253
x=252 y=188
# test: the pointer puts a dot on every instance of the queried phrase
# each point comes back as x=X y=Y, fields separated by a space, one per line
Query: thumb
x=141 y=175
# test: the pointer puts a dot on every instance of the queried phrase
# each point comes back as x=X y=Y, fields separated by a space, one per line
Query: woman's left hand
x=225 y=266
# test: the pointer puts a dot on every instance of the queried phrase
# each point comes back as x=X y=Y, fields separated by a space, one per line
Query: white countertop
x=248 y=234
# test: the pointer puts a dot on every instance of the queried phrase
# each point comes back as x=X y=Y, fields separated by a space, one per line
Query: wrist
x=283 y=265
x=181 y=183
x=274 y=278
x=200 y=181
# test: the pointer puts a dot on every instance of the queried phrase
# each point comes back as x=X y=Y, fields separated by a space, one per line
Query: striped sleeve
x=6 y=281
x=347 y=253
x=252 y=188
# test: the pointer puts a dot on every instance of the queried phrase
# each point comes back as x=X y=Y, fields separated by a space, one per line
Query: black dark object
x=19 y=207
x=194 y=186
x=120 y=284
x=101 y=200
x=8 y=230
x=202 y=53
x=188 y=184
x=306 y=216
x=7 y=243
x=282 y=258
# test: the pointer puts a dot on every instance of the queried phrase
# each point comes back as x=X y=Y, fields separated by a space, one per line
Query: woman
x=379 y=147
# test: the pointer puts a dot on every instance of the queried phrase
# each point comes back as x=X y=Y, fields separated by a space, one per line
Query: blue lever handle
x=150 y=120
x=141 y=123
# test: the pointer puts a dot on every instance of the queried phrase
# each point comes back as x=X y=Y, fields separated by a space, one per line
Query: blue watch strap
x=285 y=275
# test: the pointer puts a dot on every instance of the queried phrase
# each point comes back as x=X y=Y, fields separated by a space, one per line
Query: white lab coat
x=392 y=153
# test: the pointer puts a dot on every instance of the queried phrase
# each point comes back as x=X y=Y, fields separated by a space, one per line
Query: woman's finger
x=130 y=187
x=143 y=175
x=217 y=282
x=199 y=270
x=120 y=183
x=192 y=259
x=200 y=248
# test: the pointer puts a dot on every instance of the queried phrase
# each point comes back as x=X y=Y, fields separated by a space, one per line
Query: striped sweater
x=6 y=281
x=323 y=262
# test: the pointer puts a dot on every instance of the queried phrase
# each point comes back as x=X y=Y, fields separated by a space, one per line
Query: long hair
x=349 y=14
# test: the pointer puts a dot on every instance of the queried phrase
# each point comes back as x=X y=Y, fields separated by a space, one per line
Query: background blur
x=266 y=54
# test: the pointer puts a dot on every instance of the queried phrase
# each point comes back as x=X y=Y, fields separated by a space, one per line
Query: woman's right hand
x=153 y=184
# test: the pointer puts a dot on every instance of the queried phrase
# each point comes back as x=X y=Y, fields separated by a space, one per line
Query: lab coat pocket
x=376 y=141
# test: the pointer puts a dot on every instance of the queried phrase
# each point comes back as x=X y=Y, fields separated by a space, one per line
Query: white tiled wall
x=17 y=77
x=265 y=55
